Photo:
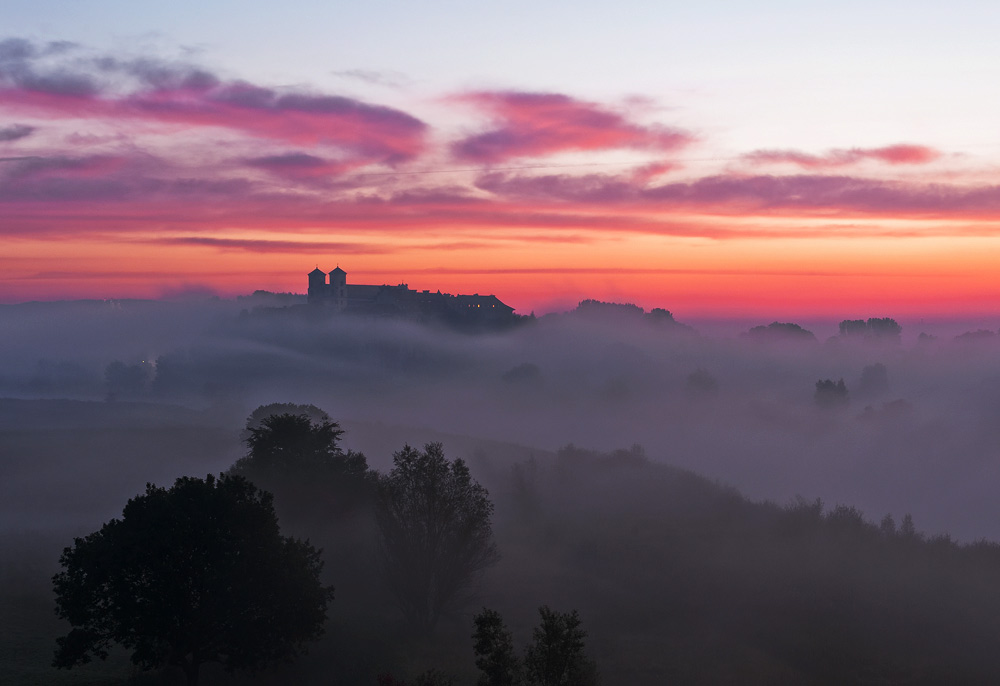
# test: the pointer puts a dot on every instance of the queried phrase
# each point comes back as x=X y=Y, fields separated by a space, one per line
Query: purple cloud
x=539 y=124
x=15 y=132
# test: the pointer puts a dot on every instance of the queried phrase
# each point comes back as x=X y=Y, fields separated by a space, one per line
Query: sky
x=719 y=159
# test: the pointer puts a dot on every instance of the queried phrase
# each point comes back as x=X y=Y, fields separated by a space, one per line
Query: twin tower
x=333 y=293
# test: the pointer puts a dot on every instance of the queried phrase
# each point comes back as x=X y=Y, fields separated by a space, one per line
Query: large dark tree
x=192 y=574
x=436 y=534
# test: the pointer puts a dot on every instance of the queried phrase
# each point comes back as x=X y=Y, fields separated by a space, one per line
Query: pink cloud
x=650 y=171
x=301 y=166
x=89 y=166
x=538 y=124
x=15 y=132
x=586 y=189
x=129 y=200
x=185 y=96
x=828 y=194
x=85 y=182
x=280 y=178
x=274 y=246
x=104 y=194
x=371 y=131
x=893 y=154
x=723 y=194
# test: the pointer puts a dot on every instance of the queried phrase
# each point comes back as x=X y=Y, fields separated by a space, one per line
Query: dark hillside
x=677 y=579
x=683 y=580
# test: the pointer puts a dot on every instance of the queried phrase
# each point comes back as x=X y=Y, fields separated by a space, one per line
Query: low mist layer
x=915 y=430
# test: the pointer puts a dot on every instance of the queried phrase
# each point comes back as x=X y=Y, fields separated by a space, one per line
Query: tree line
x=200 y=572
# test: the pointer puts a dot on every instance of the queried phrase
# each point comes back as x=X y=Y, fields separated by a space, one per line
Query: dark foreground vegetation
x=644 y=573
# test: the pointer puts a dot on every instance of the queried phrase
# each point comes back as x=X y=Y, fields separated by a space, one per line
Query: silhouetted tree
x=848 y=521
x=779 y=331
x=801 y=517
x=556 y=656
x=874 y=379
x=298 y=458
x=598 y=308
x=494 y=649
x=658 y=315
x=977 y=336
x=874 y=329
x=194 y=574
x=831 y=394
x=853 y=327
x=884 y=328
x=701 y=382
x=257 y=417
x=436 y=534
x=288 y=442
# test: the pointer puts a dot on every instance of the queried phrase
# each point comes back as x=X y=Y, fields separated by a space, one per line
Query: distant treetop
x=598 y=307
x=658 y=314
x=831 y=394
x=874 y=329
x=976 y=336
x=257 y=417
x=780 y=331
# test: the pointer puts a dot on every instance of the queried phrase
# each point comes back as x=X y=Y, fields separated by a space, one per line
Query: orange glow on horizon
x=689 y=276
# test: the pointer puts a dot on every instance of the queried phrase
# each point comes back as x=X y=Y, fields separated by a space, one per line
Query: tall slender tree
x=436 y=536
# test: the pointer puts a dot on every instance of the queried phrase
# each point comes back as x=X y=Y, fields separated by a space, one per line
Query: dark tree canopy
x=297 y=456
x=885 y=327
x=779 y=331
x=830 y=393
x=874 y=329
x=192 y=574
x=436 y=534
x=874 y=379
x=556 y=655
x=853 y=327
x=257 y=417
x=598 y=308
x=977 y=336
x=660 y=315
x=289 y=442
x=493 y=645
x=701 y=381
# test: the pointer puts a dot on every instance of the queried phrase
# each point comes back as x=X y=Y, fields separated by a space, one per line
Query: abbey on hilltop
x=401 y=300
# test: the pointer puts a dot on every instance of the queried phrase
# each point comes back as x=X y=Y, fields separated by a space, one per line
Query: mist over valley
x=668 y=484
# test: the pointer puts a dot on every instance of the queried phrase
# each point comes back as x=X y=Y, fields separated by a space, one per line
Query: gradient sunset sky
x=761 y=159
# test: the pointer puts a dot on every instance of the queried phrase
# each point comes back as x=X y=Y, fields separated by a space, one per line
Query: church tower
x=338 y=288
x=317 y=286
